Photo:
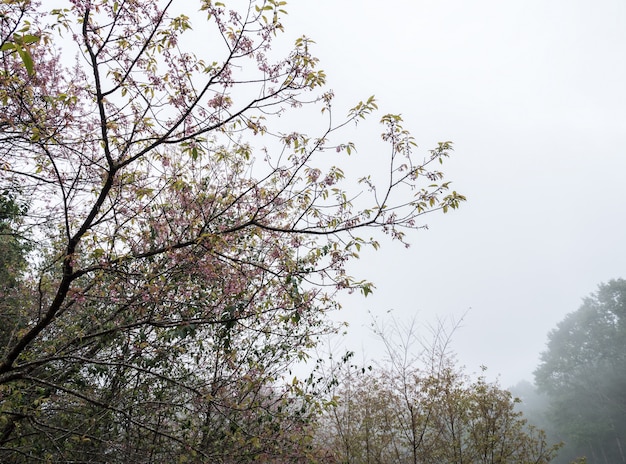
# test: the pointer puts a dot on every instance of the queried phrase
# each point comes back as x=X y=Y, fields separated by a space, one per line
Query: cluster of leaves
x=18 y=35
x=186 y=249
x=583 y=372
x=423 y=409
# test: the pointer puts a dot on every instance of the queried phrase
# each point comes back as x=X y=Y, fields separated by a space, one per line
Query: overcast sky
x=533 y=94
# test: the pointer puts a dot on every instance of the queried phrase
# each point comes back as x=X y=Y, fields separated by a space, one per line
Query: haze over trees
x=583 y=372
x=418 y=406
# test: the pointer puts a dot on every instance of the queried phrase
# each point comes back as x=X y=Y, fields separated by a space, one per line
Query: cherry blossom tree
x=187 y=241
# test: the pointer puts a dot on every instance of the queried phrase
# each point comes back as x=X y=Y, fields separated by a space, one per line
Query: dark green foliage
x=12 y=246
x=13 y=251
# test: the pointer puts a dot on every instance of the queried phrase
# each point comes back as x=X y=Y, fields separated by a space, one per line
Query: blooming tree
x=186 y=242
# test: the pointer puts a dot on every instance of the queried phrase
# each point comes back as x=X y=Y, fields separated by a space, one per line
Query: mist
x=532 y=96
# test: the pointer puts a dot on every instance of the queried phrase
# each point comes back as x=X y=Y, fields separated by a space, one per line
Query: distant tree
x=583 y=370
x=189 y=236
x=424 y=409
x=534 y=405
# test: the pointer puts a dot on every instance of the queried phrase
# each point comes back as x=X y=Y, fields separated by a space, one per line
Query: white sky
x=533 y=94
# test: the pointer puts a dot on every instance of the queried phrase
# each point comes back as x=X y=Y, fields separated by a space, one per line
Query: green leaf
x=26 y=59
x=7 y=46
x=29 y=39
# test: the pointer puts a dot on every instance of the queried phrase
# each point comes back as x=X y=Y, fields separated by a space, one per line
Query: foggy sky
x=533 y=95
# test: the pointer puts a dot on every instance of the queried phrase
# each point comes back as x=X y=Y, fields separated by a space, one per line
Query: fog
x=532 y=94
